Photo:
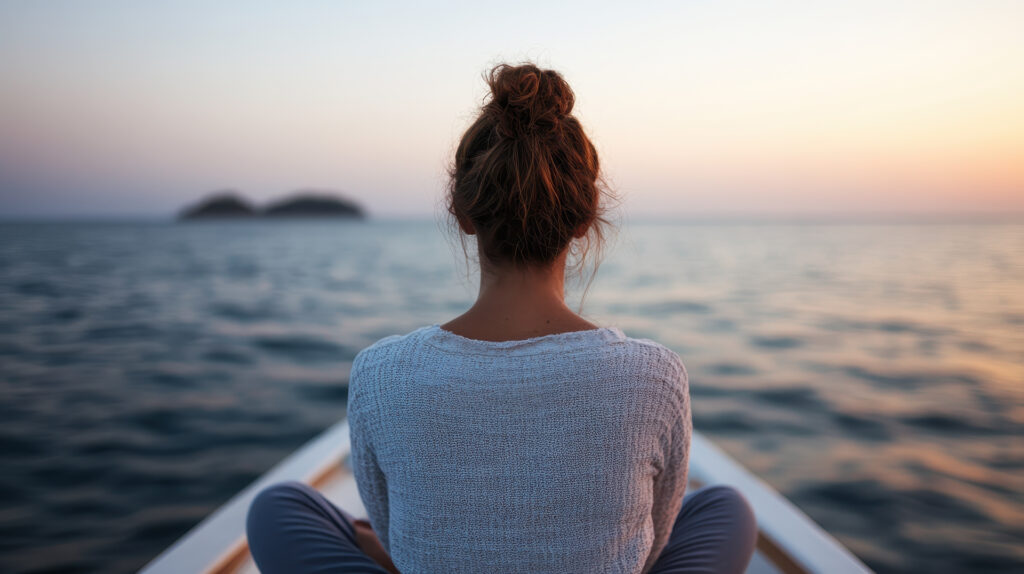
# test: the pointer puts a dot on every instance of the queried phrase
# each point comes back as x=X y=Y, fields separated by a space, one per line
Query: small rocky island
x=221 y=204
x=310 y=204
x=229 y=204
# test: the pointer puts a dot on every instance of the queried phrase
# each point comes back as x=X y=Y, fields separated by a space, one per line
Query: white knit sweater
x=561 y=453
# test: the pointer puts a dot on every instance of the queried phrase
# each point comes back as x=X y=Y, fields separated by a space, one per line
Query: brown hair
x=525 y=176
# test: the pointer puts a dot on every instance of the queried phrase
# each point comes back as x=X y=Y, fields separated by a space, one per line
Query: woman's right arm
x=670 y=484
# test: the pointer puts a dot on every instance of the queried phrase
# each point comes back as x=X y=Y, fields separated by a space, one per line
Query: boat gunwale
x=787 y=538
x=215 y=544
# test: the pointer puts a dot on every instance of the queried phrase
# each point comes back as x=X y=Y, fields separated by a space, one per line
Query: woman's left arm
x=373 y=487
x=370 y=544
x=370 y=479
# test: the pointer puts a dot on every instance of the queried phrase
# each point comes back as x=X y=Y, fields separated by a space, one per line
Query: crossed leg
x=292 y=528
x=714 y=533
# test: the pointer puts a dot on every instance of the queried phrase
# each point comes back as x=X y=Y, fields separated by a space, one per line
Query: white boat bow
x=788 y=543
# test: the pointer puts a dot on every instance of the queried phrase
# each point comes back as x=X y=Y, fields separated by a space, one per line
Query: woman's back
x=519 y=437
x=566 y=452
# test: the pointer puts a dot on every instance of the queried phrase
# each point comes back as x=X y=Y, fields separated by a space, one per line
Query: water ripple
x=149 y=371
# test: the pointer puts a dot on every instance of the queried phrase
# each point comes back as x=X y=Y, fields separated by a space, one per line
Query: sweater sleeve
x=670 y=482
x=370 y=479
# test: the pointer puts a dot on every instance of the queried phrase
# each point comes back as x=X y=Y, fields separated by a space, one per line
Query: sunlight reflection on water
x=874 y=374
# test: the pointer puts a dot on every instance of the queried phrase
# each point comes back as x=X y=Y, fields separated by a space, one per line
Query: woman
x=517 y=437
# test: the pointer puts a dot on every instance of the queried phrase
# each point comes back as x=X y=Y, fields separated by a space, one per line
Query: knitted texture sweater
x=560 y=453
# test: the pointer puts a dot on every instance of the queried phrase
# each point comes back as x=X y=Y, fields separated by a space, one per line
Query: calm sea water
x=873 y=374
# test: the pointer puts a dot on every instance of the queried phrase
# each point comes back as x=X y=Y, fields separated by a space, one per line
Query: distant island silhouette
x=229 y=204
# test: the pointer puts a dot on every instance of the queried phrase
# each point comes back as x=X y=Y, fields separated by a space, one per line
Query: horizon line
x=823 y=217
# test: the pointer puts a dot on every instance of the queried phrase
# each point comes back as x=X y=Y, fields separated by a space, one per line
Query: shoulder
x=659 y=364
x=375 y=363
x=668 y=402
x=386 y=349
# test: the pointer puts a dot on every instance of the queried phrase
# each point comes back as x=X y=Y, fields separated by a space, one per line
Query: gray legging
x=293 y=529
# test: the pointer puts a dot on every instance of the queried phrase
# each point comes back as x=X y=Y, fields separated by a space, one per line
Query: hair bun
x=526 y=100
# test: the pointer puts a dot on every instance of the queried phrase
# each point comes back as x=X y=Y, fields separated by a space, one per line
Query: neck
x=522 y=295
x=523 y=286
x=519 y=302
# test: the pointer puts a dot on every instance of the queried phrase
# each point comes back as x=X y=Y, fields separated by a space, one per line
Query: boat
x=789 y=542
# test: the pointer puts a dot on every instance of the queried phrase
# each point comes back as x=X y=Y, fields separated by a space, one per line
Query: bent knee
x=277 y=491
x=731 y=503
x=273 y=498
x=722 y=493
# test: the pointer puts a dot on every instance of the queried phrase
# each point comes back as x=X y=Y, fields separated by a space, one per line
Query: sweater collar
x=553 y=343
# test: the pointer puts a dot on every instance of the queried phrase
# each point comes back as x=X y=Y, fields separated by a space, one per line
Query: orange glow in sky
x=696 y=108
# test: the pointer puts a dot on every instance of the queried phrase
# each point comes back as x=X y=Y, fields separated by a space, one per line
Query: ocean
x=872 y=373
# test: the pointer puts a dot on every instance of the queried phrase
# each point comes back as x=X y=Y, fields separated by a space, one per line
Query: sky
x=696 y=108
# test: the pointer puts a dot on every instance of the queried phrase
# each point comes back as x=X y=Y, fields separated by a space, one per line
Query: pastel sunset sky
x=697 y=108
